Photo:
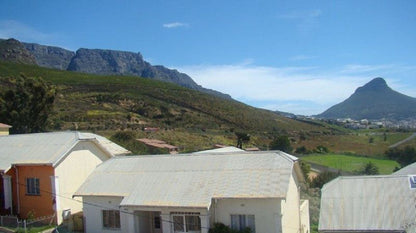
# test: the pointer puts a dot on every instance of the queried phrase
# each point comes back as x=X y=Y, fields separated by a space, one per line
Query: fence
x=10 y=221
x=15 y=224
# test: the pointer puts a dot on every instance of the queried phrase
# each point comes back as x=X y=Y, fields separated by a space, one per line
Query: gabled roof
x=191 y=180
x=408 y=170
x=47 y=148
x=220 y=150
x=5 y=126
x=367 y=203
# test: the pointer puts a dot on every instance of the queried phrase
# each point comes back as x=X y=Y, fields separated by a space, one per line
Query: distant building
x=151 y=129
x=4 y=129
x=159 y=144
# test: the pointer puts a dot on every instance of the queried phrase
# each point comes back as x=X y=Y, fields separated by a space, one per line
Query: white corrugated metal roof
x=221 y=150
x=367 y=203
x=408 y=170
x=47 y=148
x=191 y=180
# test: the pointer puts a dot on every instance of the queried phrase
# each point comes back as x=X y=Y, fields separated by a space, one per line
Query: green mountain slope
x=112 y=103
x=375 y=100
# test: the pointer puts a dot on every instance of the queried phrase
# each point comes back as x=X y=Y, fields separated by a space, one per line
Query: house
x=41 y=171
x=191 y=192
x=4 y=129
x=365 y=204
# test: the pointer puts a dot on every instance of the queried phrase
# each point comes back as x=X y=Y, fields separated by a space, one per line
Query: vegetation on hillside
x=109 y=104
x=185 y=118
x=25 y=103
x=404 y=156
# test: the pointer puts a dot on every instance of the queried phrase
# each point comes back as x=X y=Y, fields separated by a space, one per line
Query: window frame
x=110 y=219
x=243 y=221
x=32 y=186
x=184 y=223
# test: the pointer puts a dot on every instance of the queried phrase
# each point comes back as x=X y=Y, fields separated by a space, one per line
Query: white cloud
x=175 y=25
x=300 y=90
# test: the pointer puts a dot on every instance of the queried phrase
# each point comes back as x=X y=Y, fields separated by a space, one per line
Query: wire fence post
x=24 y=226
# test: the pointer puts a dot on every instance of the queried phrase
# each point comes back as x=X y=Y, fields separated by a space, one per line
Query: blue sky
x=294 y=56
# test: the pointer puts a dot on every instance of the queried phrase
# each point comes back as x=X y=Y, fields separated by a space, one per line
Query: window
x=111 y=219
x=156 y=222
x=186 y=222
x=32 y=186
x=240 y=222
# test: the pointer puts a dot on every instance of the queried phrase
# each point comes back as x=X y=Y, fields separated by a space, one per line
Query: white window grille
x=111 y=219
x=186 y=222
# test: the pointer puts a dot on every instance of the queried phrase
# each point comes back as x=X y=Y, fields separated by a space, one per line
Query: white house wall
x=73 y=171
x=266 y=212
x=290 y=209
x=92 y=211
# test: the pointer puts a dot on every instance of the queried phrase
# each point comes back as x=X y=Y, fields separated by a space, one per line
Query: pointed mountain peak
x=376 y=84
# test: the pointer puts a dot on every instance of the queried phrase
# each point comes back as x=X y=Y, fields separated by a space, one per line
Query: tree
x=27 y=104
x=242 y=138
x=403 y=156
x=281 y=143
x=323 y=178
x=321 y=149
x=306 y=168
x=369 y=169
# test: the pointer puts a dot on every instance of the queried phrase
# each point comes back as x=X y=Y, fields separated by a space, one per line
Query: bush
x=302 y=150
x=323 y=178
x=404 y=156
x=321 y=149
x=369 y=169
x=222 y=228
x=281 y=143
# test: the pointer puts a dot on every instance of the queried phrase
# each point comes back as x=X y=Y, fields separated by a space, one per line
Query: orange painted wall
x=39 y=205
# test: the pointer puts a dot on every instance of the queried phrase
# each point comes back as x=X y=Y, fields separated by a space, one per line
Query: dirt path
x=403 y=141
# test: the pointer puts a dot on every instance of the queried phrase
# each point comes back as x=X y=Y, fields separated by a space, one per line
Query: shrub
x=222 y=228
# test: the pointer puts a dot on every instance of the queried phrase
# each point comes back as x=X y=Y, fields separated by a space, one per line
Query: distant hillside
x=12 y=50
x=185 y=117
x=374 y=100
x=99 y=61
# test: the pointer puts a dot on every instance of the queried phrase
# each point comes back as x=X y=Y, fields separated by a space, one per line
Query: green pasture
x=350 y=163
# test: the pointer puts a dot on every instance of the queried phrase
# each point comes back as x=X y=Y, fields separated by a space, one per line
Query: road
x=403 y=141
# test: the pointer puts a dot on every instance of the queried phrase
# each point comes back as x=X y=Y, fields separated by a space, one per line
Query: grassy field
x=350 y=163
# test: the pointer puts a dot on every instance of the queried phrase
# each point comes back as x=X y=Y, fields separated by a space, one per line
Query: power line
x=110 y=208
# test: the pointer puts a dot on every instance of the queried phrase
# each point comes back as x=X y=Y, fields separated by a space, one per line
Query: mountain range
x=95 y=61
x=374 y=100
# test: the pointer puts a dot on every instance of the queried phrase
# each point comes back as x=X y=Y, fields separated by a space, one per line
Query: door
x=156 y=222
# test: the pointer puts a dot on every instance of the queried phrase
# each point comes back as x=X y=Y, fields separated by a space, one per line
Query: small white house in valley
x=191 y=192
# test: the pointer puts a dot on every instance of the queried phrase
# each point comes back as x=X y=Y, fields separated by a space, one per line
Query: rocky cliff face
x=49 y=56
x=111 y=62
x=13 y=51
x=95 y=61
